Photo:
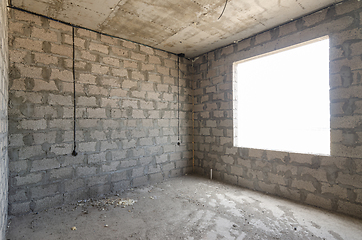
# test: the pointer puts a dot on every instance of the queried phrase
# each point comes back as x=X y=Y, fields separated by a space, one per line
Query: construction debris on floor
x=190 y=208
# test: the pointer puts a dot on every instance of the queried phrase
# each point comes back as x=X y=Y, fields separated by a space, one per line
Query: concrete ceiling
x=192 y=27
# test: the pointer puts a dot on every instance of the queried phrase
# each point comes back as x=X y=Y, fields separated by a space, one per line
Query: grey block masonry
x=333 y=183
x=127 y=126
x=127 y=114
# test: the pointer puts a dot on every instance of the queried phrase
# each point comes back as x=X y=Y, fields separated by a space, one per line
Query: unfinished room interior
x=181 y=119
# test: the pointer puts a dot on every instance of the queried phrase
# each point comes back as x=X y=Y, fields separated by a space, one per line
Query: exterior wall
x=127 y=114
x=4 y=169
x=333 y=183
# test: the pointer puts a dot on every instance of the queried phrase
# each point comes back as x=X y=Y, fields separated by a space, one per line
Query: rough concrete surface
x=129 y=100
x=129 y=115
x=332 y=182
x=188 y=207
x=183 y=26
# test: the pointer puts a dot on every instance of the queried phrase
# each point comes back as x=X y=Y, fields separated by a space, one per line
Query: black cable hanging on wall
x=178 y=100
x=178 y=97
x=74 y=153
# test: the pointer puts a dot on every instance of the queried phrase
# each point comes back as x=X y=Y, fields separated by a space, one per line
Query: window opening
x=281 y=100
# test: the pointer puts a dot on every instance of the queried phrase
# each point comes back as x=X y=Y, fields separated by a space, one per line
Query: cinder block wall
x=4 y=169
x=333 y=183
x=127 y=114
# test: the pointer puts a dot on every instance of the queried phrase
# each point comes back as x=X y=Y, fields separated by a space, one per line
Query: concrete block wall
x=330 y=182
x=127 y=114
x=4 y=79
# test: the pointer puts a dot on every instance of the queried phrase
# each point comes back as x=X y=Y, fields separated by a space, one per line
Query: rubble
x=104 y=204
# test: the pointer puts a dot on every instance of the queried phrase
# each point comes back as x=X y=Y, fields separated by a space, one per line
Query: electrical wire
x=178 y=100
x=74 y=153
x=223 y=9
x=178 y=96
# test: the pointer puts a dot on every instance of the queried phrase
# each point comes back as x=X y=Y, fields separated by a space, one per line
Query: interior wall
x=4 y=169
x=331 y=182
x=127 y=126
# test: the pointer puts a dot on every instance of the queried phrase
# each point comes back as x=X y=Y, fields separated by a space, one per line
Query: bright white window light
x=281 y=100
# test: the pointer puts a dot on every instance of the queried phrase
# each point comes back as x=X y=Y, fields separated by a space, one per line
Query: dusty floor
x=186 y=208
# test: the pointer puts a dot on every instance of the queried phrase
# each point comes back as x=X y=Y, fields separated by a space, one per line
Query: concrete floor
x=189 y=207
